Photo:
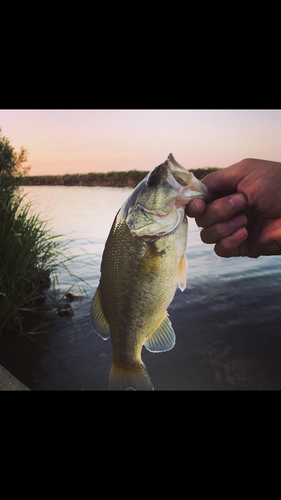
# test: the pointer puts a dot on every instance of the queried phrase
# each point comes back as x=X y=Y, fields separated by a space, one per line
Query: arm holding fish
x=246 y=220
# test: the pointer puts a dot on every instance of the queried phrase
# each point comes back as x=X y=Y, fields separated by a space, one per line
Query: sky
x=96 y=140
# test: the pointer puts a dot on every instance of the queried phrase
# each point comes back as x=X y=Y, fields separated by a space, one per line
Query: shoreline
x=109 y=179
x=129 y=178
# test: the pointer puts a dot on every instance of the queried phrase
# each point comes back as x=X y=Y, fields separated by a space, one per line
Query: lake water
x=227 y=321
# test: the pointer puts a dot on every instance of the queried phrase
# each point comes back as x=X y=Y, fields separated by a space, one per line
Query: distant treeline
x=116 y=179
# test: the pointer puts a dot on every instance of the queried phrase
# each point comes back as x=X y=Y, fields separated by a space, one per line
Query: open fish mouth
x=174 y=162
x=187 y=185
x=182 y=176
x=170 y=170
x=184 y=186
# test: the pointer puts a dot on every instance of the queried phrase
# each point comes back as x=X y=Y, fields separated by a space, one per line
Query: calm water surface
x=227 y=321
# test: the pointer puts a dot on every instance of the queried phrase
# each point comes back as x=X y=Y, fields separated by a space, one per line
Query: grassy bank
x=28 y=255
x=115 y=179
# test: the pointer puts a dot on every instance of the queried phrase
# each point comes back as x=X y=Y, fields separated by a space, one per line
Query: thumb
x=224 y=180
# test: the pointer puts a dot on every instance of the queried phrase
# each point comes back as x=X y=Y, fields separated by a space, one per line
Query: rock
x=66 y=311
x=64 y=308
x=70 y=297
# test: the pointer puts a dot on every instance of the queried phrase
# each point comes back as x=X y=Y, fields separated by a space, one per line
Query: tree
x=11 y=162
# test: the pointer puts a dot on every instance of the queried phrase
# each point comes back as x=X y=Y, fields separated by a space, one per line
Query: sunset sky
x=81 y=141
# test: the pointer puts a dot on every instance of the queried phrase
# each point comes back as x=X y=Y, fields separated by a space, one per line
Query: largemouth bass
x=143 y=263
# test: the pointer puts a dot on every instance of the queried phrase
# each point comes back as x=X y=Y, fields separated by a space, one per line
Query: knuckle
x=220 y=210
x=217 y=209
x=247 y=161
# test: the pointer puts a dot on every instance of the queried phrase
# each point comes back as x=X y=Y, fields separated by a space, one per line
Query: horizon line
x=29 y=174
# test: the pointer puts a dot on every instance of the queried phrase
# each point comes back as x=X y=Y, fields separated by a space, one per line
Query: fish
x=143 y=263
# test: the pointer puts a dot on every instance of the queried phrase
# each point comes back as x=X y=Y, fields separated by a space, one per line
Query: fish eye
x=152 y=181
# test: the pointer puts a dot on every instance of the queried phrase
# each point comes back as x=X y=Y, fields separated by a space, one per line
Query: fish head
x=157 y=204
x=188 y=187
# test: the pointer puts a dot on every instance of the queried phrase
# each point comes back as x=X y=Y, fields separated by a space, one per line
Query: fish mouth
x=174 y=162
x=187 y=185
x=176 y=175
x=181 y=181
x=179 y=173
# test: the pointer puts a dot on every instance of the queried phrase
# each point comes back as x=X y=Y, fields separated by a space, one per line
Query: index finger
x=222 y=209
x=195 y=208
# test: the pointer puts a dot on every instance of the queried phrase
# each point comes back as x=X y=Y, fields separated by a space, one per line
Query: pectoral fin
x=163 y=338
x=97 y=316
x=181 y=278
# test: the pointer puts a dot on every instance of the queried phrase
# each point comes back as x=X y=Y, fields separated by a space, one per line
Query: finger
x=217 y=232
x=195 y=208
x=229 y=246
x=226 y=180
x=268 y=241
x=222 y=209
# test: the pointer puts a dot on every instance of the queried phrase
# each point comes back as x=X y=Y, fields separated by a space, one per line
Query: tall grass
x=28 y=255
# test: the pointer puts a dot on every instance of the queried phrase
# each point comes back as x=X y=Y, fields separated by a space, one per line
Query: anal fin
x=163 y=338
x=97 y=316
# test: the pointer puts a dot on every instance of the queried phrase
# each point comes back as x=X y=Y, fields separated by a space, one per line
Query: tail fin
x=135 y=377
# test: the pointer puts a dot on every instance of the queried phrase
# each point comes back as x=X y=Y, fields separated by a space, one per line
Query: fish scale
x=139 y=279
x=142 y=264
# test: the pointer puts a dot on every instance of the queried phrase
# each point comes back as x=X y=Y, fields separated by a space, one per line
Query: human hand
x=246 y=221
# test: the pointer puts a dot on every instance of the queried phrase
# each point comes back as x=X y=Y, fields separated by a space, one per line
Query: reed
x=29 y=253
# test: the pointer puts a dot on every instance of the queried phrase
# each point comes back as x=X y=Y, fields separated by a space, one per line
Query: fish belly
x=138 y=282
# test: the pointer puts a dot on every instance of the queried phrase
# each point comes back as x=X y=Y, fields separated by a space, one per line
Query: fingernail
x=241 y=234
x=193 y=207
x=239 y=201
